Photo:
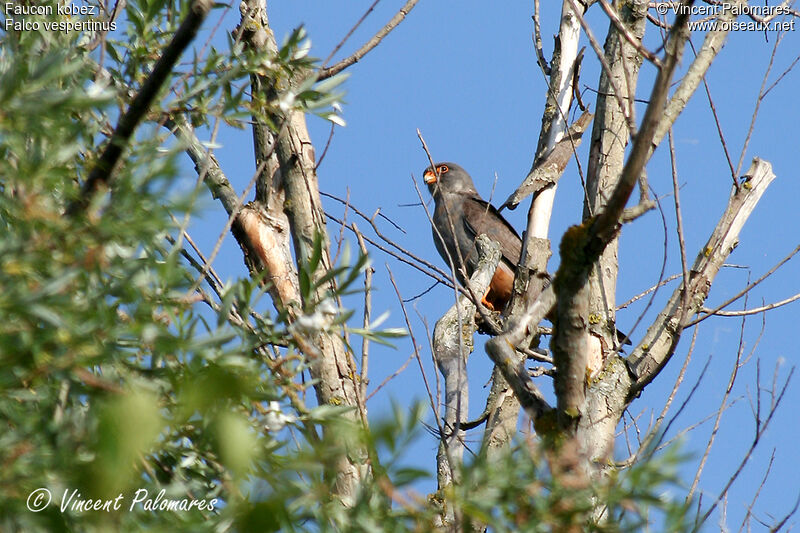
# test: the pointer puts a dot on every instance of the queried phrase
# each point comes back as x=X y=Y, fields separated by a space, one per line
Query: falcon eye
x=443 y=169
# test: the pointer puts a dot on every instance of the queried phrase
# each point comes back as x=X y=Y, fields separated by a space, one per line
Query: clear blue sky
x=465 y=74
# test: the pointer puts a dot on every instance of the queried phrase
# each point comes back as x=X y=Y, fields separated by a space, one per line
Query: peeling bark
x=548 y=170
x=554 y=123
x=267 y=236
x=288 y=166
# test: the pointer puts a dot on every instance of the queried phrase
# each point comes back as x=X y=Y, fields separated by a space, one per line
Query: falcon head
x=448 y=177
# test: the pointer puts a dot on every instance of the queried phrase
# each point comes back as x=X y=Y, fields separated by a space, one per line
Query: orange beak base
x=429 y=177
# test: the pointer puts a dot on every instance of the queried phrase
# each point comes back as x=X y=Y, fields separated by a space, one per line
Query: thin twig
x=758 y=102
x=416 y=349
x=648 y=291
x=369 y=45
x=636 y=43
x=745 y=290
x=350 y=32
x=490 y=323
x=783 y=74
x=434 y=273
x=368 y=271
x=340 y=240
x=761 y=428
x=327 y=145
x=625 y=108
x=679 y=221
x=402 y=254
x=653 y=432
x=717 y=122
x=684 y=403
x=229 y=223
x=780 y=523
x=423 y=293
x=661 y=274
x=734 y=373
x=754 y=310
x=537 y=41
x=758 y=491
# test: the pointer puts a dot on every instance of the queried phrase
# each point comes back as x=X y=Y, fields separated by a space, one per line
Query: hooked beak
x=430 y=177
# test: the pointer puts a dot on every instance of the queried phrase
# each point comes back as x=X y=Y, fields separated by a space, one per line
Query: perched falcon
x=459 y=217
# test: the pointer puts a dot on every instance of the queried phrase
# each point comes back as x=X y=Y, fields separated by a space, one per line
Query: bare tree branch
x=625 y=107
x=554 y=121
x=737 y=364
x=712 y=44
x=537 y=40
x=104 y=168
x=758 y=101
x=761 y=426
x=547 y=172
x=613 y=128
x=754 y=310
x=659 y=342
x=452 y=343
x=349 y=34
x=648 y=291
x=747 y=289
x=369 y=45
x=364 y=376
x=633 y=40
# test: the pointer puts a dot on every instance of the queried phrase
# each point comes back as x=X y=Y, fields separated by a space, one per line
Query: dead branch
x=648 y=291
x=537 y=40
x=659 y=342
x=712 y=44
x=554 y=120
x=548 y=171
x=754 y=310
x=369 y=45
x=585 y=243
x=452 y=343
x=762 y=424
x=747 y=288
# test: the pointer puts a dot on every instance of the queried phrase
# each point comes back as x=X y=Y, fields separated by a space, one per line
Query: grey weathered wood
x=452 y=344
x=658 y=344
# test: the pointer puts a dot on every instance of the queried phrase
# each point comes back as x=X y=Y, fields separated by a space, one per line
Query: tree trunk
x=610 y=138
x=288 y=166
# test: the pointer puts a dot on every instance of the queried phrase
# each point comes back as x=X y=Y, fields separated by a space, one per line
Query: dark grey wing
x=480 y=217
